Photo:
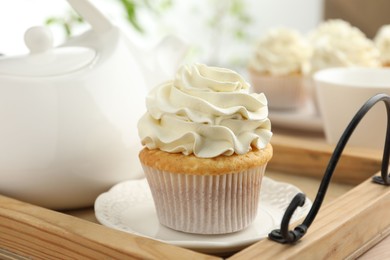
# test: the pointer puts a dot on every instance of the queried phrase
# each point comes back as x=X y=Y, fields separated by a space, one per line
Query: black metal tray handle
x=283 y=235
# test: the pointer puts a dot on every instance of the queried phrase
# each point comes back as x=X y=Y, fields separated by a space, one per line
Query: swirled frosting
x=281 y=51
x=206 y=111
x=382 y=42
x=338 y=44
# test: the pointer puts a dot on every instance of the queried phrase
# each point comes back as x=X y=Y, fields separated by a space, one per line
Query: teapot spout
x=170 y=53
x=99 y=22
x=157 y=65
x=163 y=61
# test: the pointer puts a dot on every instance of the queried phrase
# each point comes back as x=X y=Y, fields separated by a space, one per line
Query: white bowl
x=341 y=92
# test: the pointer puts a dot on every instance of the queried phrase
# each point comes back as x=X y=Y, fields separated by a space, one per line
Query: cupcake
x=278 y=67
x=336 y=43
x=206 y=149
x=382 y=42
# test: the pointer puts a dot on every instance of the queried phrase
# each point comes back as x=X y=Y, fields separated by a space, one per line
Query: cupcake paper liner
x=282 y=92
x=206 y=204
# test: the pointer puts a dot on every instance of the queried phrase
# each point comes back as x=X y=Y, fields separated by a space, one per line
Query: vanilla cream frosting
x=338 y=44
x=281 y=51
x=207 y=111
x=382 y=42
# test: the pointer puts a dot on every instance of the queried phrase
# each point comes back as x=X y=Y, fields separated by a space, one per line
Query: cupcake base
x=206 y=204
x=205 y=196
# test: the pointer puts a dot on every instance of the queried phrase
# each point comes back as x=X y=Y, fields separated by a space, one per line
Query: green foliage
x=233 y=8
x=67 y=22
x=237 y=10
x=131 y=8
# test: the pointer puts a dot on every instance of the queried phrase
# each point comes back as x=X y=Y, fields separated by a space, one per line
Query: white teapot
x=69 y=114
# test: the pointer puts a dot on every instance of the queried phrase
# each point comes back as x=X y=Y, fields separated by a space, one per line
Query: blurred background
x=219 y=32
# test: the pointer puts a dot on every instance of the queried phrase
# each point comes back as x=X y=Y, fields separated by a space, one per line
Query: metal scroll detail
x=283 y=235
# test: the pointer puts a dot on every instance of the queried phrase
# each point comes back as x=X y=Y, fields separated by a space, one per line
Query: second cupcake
x=278 y=67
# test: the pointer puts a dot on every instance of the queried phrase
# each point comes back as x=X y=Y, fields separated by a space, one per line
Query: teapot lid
x=44 y=60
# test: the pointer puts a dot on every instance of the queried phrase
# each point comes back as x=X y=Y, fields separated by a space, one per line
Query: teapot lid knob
x=38 y=39
x=44 y=59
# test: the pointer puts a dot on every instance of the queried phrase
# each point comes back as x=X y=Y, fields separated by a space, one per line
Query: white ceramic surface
x=69 y=114
x=128 y=206
x=341 y=92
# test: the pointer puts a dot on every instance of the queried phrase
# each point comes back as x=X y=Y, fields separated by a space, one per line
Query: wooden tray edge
x=347 y=226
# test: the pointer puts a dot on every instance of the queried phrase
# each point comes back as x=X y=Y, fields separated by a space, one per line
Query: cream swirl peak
x=336 y=43
x=281 y=51
x=382 y=42
x=207 y=111
x=202 y=78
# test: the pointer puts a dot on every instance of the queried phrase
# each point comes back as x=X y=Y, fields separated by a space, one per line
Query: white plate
x=304 y=118
x=128 y=206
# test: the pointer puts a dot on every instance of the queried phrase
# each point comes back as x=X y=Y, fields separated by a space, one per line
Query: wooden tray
x=361 y=215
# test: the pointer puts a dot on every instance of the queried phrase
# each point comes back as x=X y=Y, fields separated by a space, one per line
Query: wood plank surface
x=38 y=233
x=378 y=250
x=30 y=231
x=309 y=185
x=340 y=230
x=309 y=156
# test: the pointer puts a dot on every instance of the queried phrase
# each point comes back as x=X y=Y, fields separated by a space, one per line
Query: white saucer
x=128 y=206
x=304 y=118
